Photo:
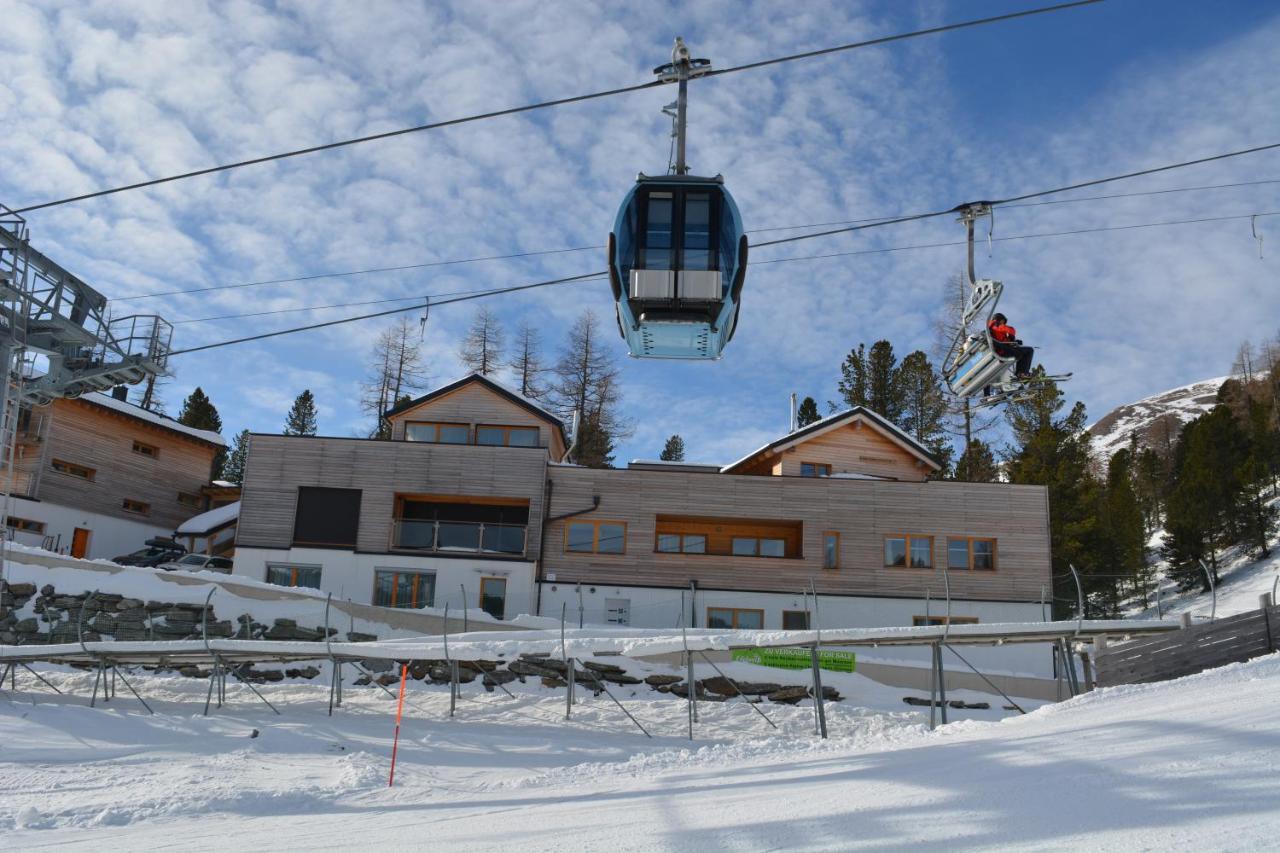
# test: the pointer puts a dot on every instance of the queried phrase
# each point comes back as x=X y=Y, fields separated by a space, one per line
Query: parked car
x=157 y=551
x=198 y=563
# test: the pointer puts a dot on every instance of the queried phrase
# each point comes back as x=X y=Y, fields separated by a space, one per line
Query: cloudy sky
x=98 y=94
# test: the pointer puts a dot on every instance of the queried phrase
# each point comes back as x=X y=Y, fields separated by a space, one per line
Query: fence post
x=1264 y=604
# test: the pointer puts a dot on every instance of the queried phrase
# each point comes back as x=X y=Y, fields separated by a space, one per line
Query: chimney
x=793 y=413
x=121 y=393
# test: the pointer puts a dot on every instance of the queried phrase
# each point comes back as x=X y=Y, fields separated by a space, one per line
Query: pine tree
x=527 y=362
x=977 y=464
x=1122 y=535
x=853 y=378
x=199 y=413
x=233 y=470
x=482 y=348
x=301 y=419
x=1053 y=451
x=1205 y=504
x=884 y=394
x=869 y=379
x=807 y=413
x=673 y=451
x=586 y=383
x=395 y=371
x=924 y=408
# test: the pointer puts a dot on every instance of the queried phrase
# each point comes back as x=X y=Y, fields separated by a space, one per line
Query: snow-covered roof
x=207 y=522
x=126 y=408
x=894 y=433
x=667 y=463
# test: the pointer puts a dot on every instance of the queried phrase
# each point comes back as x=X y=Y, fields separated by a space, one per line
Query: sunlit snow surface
x=1184 y=763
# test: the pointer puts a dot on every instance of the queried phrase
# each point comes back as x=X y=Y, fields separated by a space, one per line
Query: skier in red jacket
x=1007 y=345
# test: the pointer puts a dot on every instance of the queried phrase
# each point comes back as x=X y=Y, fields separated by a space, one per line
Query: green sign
x=789 y=658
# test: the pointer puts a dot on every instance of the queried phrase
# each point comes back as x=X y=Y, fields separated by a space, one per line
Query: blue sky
x=96 y=94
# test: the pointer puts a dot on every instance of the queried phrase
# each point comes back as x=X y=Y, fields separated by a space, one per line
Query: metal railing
x=459 y=537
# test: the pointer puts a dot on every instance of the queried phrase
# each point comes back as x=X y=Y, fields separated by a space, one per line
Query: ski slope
x=1185 y=764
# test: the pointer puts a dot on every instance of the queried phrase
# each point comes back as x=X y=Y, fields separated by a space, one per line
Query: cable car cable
x=516 y=255
x=884 y=250
x=495 y=292
x=557 y=102
x=993 y=203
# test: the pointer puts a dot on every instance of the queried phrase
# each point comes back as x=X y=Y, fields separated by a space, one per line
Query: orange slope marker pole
x=391 y=780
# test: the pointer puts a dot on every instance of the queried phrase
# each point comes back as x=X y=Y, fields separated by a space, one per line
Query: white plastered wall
x=350 y=576
x=108 y=536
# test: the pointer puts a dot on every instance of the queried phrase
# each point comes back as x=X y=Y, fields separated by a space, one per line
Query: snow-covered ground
x=1191 y=763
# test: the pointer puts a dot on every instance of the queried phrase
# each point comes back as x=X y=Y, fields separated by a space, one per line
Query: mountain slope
x=1157 y=420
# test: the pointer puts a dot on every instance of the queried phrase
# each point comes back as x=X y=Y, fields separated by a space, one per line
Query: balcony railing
x=461 y=537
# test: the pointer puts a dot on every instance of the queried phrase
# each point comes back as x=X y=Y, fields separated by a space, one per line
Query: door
x=617 y=611
x=80 y=542
x=493 y=596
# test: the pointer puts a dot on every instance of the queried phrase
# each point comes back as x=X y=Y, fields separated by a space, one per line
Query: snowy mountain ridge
x=1157 y=419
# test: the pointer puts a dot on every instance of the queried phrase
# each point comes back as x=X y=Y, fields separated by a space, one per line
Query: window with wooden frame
x=25 y=525
x=403 y=589
x=815 y=469
x=971 y=553
x=136 y=507
x=71 y=469
x=795 y=620
x=143 y=449
x=493 y=596
x=437 y=433
x=918 y=621
x=507 y=436
x=759 y=546
x=191 y=500
x=727 y=537
x=283 y=574
x=596 y=537
x=682 y=543
x=830 y=549
x=908 y=551
x=735 y=617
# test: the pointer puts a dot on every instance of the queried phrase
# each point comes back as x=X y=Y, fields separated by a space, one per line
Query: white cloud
x=98 y=94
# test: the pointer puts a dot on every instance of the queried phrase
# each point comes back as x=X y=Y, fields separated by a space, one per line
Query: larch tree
x=233 y=470
x=526 y=362
x=673 y=450
x=482 y=348
x=395 y=371
x=586 y=384
x=199 y=412
x=301 y=419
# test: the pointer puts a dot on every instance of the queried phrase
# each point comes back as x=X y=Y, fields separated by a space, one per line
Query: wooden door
x=80 y=542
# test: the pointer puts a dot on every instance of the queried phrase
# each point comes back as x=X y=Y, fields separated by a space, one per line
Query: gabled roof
x=494 y=386
x=839 y=419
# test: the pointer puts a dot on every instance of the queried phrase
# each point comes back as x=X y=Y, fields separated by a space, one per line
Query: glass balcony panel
x=458 y=536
